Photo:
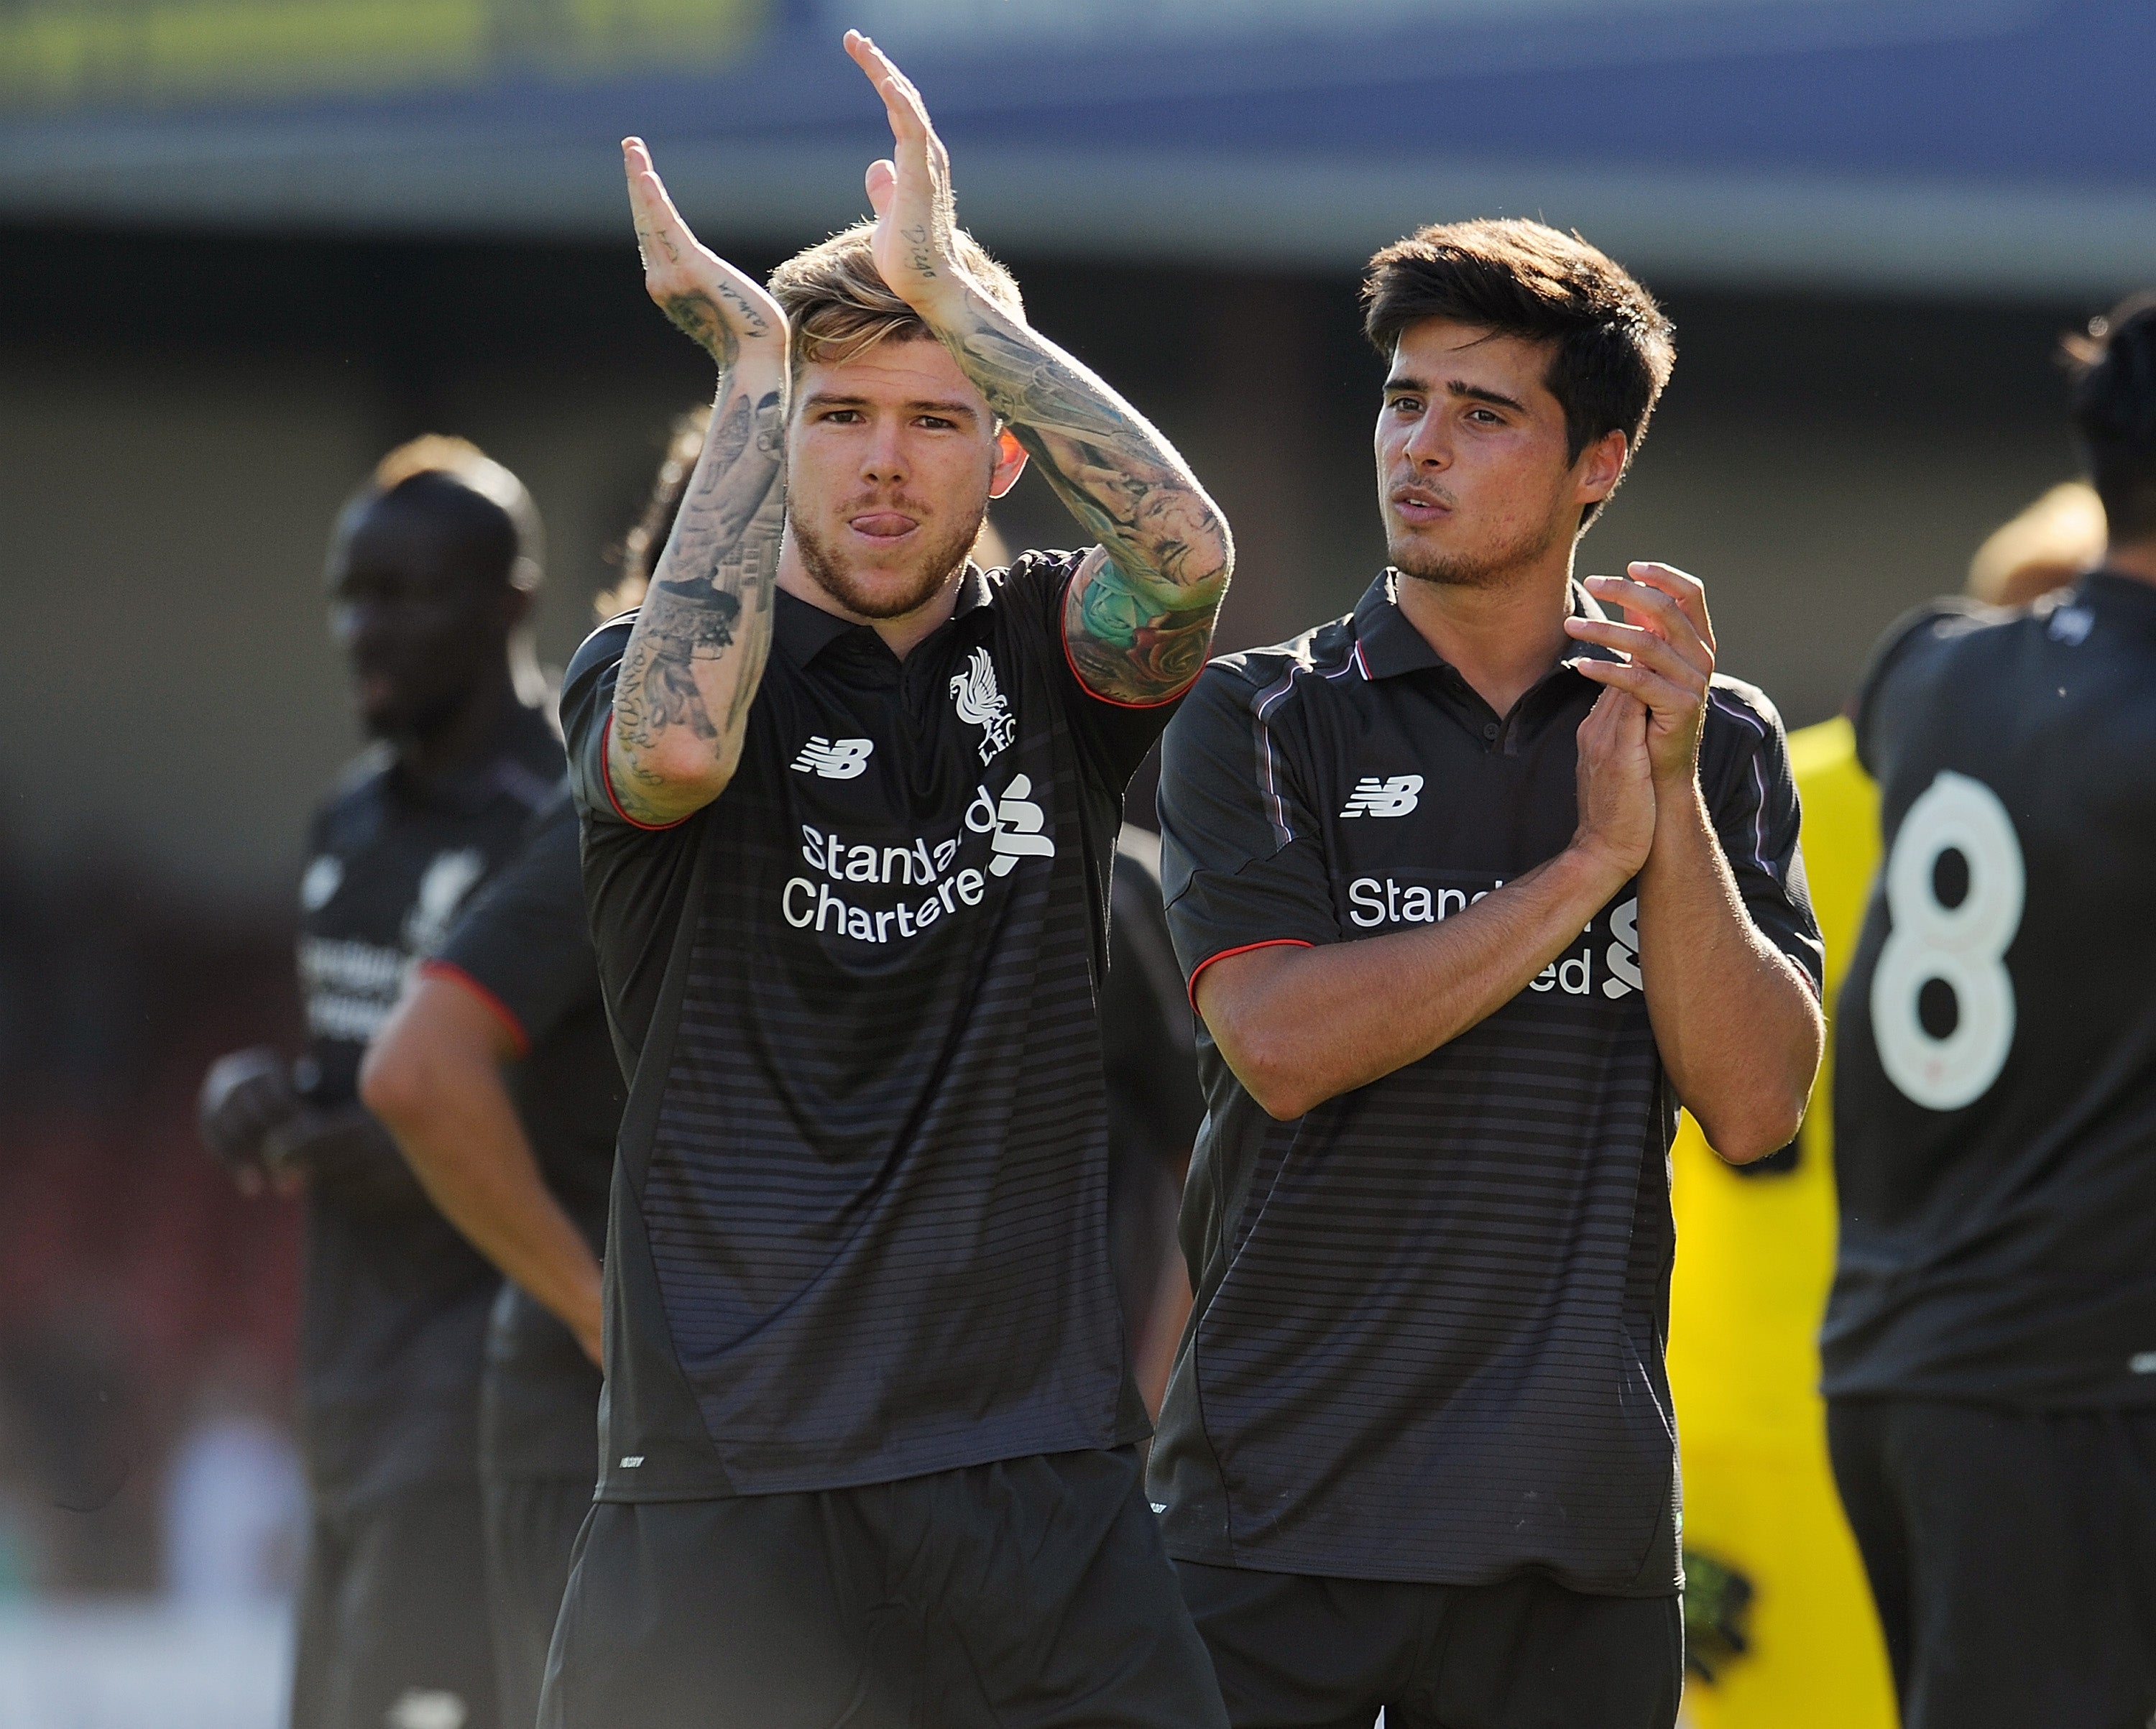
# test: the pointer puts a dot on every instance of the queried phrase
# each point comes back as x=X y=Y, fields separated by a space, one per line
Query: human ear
x=1601 y=465
x=1010 y=463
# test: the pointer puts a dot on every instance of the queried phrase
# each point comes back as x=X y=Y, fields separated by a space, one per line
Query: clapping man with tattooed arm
x=849 y=806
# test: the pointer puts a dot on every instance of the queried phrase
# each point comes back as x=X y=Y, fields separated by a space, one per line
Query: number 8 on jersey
x=1962 y=946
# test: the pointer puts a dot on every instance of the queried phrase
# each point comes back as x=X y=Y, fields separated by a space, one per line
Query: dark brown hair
x=2114 y=412
x=1612 y=348
x=638 y=554
x=467 y=490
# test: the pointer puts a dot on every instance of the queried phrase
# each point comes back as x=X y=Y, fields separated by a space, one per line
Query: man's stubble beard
x=934 y=565
x=1492 y=569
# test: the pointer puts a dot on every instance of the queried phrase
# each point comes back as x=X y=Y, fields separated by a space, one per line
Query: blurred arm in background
x=256 y=1120
x=434 y=1075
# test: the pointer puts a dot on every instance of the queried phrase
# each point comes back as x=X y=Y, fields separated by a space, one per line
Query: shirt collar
x=1389 y=645
x=2117 y=588
x=804 y=630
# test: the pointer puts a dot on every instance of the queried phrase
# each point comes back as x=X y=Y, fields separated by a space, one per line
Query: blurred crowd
x=147 y=1313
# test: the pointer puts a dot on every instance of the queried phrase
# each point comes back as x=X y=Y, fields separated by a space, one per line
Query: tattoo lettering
x=923 y=257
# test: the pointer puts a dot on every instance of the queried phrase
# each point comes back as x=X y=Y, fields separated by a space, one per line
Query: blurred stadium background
x=245 y=245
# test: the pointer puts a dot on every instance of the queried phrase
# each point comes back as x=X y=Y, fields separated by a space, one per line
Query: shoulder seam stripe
x=433 y=968
x=606 y=780
x=1242 y=949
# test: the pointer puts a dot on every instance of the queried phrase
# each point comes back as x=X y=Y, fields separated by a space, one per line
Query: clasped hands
x=1639 y=748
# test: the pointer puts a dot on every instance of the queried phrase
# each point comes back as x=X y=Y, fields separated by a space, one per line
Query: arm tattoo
x=705 y=622
x=1139 y=616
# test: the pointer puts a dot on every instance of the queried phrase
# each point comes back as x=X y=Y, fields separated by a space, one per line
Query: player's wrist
x=1596 y=865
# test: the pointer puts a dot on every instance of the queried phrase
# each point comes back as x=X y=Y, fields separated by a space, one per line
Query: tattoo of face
x=698 y=318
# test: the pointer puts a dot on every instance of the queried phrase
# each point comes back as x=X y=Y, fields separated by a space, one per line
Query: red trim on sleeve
x=606 y=780
x=1269 y=942
x=456 y=975
x=1063 y=631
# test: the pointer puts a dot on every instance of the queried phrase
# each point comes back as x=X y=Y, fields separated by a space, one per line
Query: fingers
x=1645 y=648
x=1642 y=684
x=882 y=181
x=1662 y=593
x=902 y=101
x=661 y=235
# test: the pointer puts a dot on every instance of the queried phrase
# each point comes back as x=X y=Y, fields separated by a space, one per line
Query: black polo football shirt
x=396 y=1300
x=1995 y=1041
x=858 y=1219
x=524 y=949
x=1431 y=1312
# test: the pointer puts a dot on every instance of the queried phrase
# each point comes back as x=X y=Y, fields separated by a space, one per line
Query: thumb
x=882 y=178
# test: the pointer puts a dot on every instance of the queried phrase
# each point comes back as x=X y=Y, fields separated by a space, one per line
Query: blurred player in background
x=1778 y=1619
x=431 y=572
x=1474 y=886
x=1990 y=1344
x=850 y=807
x=498 y=1078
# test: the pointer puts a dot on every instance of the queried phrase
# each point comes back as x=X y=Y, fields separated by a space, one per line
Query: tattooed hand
x=696 y=653
x=717 y=307
x=1138 y=618
x=916 y=218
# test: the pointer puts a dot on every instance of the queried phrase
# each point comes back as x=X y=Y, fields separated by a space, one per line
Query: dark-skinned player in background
x=497 y=1075
x=1989 y=1350
x=431 y=571
x=1474 y=887
x=850 y=807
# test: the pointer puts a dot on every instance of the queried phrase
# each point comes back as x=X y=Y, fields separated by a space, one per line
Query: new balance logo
x=833 y=759
x=1395 y=797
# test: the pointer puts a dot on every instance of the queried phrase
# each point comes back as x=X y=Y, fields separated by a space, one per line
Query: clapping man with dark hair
x=1474 y=887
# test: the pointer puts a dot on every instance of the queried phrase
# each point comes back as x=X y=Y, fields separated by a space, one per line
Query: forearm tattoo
x=705 y=625
x=1139 y=618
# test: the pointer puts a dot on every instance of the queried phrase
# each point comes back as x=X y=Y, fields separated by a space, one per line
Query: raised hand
x=1668 y=644
x=720 y=309
x=917 y=218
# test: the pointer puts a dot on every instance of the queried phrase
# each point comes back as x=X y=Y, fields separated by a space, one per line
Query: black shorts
x=531 y=1529
x=1294 y=1652
x=393 y=1627
x=1034 y=1591
x=2012 y=1556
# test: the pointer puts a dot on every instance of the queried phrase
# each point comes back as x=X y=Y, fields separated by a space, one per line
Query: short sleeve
x=1113 y=736
x=588 y=718
x=1243 y=861
x=1946 y=615
x=525 y=946
x=1757 y=818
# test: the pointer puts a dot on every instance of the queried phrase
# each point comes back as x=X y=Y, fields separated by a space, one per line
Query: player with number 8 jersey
x=1989 y=1350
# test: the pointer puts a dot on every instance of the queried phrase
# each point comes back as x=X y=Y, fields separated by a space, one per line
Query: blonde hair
x=2052 y=542
x=838 y=305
